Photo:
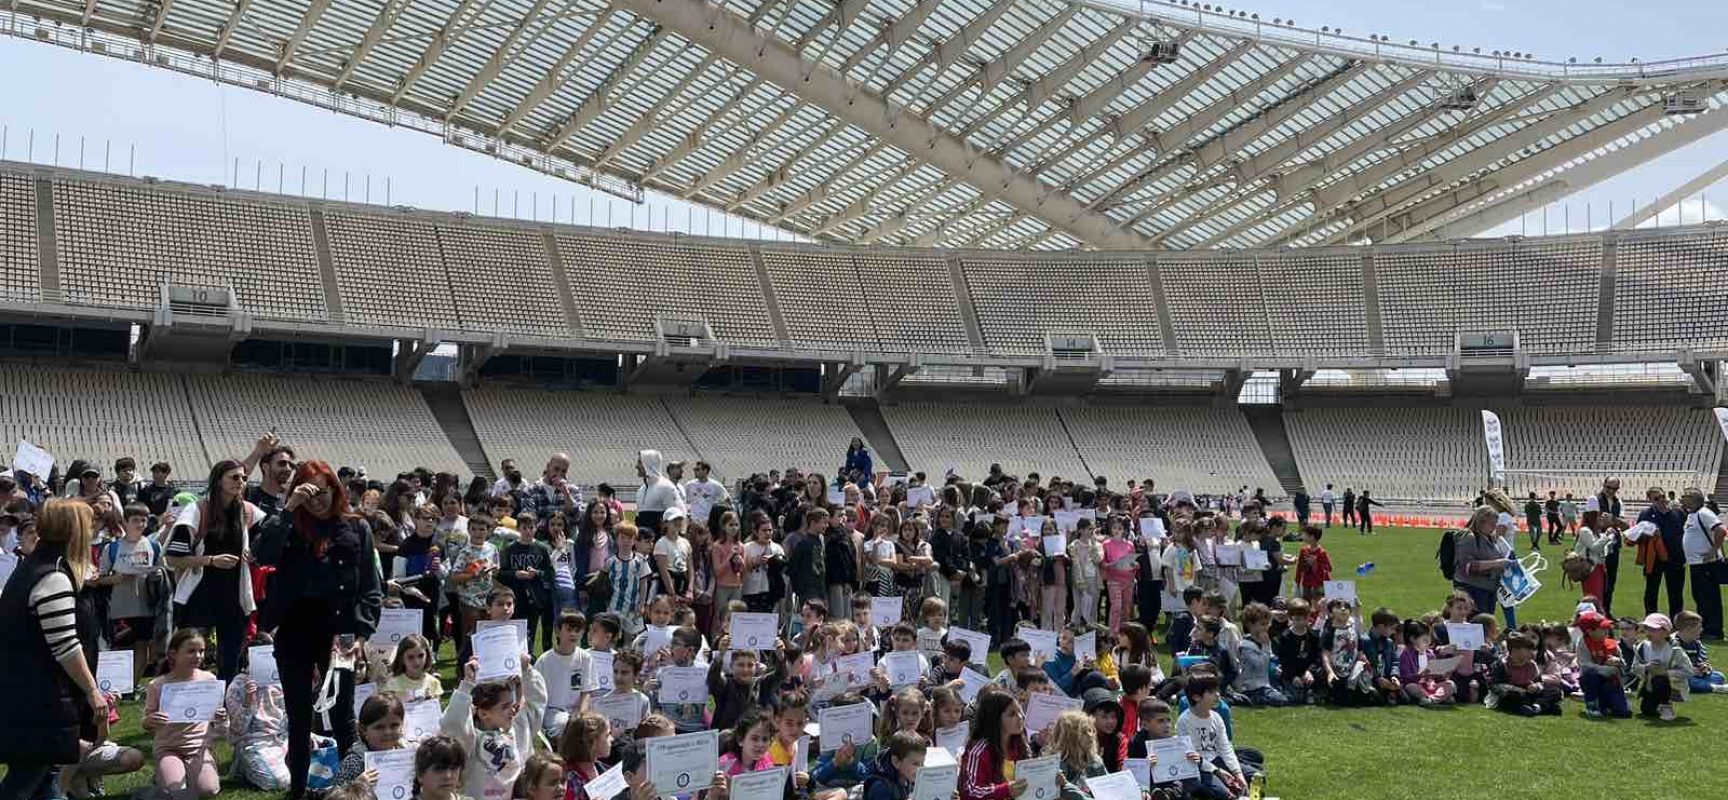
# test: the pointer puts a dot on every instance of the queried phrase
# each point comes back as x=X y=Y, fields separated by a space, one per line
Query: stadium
x=1100 y=241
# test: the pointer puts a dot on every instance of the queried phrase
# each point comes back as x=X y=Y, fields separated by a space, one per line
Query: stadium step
x=867 y=415
x=1268 y=425
x=445 y=401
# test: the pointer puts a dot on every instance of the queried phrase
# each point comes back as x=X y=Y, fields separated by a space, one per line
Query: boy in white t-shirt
x=566 y=669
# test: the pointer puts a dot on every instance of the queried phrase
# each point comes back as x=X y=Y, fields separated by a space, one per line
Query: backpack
x=1447 y=553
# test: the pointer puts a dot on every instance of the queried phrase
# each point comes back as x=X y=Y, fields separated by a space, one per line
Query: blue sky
x=187 y=129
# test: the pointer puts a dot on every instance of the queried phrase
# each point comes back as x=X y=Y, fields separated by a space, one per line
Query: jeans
x=1328 y=508
x=1674 y=574
x=1266 y=696
x=1612 y=563
x=1705 y=684
x=1605 y=693
x=1707 y=596
x=1484 y=599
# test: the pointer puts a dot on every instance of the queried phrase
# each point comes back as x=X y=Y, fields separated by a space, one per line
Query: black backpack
x=1447 y=554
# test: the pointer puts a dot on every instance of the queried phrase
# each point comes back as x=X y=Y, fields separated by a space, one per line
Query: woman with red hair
x=326 y=586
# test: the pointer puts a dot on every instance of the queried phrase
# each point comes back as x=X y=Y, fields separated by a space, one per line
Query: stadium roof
x=967 y=123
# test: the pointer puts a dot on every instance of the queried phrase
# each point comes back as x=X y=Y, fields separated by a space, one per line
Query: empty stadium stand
x=375 y=424
x=101 y=415
x=743 y=435
x=1395 y=453
x=1573 y=448
x=1201 y=448
x=938 y=437
x=117 y=238
x=602 y=432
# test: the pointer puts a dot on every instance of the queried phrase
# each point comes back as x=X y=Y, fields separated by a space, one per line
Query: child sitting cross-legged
x=1688 y=636
x=1663 y=668
x=1254 y=681
x=1515 y=685
x=1421 y=686
x=1220 y=773
x=1154 y=725
x=1599 y=668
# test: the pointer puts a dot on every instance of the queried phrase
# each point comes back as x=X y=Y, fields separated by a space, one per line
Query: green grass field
x=1403 y=753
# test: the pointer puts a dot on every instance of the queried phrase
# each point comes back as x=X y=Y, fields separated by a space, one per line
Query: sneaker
x=1592 y=710
x=1720 y=688
x=1665 y=712
x=1526 y=710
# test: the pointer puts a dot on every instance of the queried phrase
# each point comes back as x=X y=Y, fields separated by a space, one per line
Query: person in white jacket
x=658 y=491
x=497 y=736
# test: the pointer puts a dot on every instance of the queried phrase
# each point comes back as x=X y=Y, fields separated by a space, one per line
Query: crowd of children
x=1077 y=606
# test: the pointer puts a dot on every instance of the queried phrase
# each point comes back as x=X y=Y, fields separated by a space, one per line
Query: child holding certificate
x=380 y=727
x=585 y=745
x=751 y=737
x=185 y=765
x=257 y=727
x=1072 y=739
x=497 y=736
x=998 y=739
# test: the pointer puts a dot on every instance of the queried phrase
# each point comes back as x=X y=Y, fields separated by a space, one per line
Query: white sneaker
x=1720 y=688
x=1665 y=712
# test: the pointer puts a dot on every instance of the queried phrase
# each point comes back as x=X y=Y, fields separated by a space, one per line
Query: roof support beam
x=454 y=26
x=745 y=154
x=161 y=17
x=950 y=49
x=307 y=20
x=734 y=38
x=778 y=175
x=1698 y=183
x=1052 y=82
x=1370 y=211
x=1273 y=157
x=554 y=77
x=374 y=33
x=597 y=103
x=1457 y=217
x=894 y=34
x=647 y=121
x=1142 y=115
x=502 y=55
x=227 y=32
x=693 y=141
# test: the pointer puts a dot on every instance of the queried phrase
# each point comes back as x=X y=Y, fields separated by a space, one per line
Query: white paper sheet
x=936 y=782
x=842 y=725
x=396 y=623
x=395 y=770
x=498 y=651
x=191 y=701
x=1043 y=709
x=886 y=612
x=768 y=784
x=683 y=764
x=1040 y=776
x=114 y=671
x=903 y=668
x=753 y=631
x=1173 y=764
x=420 y=719
x=261 y=665
x=683 y=685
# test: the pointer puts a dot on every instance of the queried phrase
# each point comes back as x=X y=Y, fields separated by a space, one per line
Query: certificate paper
x=1152 y=529
x=842 y=725
x=903 y=668
x=1340 y=590
x=599 y=671
x=191 y=701
x=971 y=683
x=623 y=711
x=607 y=784
x=768 y=784
x=1141 y=769
x=1115 y=786
x=394 y=624
x=1255 y=558
x=1044 y=643
x=1173 y=764
x=1056 y=545
x=936 y=783
x=980 y=642
x=952 y=739
x=261 y=665
x=1043 y=709
x=1229 y=555
x=1039 y=775
x=520 y=626
x=420 y=719
x=114 y=671
x=886 y=612
x=1465 y=636
x=683 y=764
x=362 y=692
x=857 y=666
x=395 y=770
x=655 y=639
x=1085 y=647
x=683 y=685
x=753 y=631
x=499 y=653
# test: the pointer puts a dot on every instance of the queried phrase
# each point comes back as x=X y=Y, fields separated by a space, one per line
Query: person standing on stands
x=1663 y=556
x=1349 y=507
x=658 y=491
x=1608 y=500
x=858 y=460
x=326 y=597
x=1703 y=545
x=552 y=493
x=1365 y=512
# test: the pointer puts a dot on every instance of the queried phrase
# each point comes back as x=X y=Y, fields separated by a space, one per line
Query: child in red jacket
x=1313 y=566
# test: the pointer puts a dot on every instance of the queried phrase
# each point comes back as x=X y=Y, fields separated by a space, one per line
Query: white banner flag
x=1722 y=419
x=1496 y=446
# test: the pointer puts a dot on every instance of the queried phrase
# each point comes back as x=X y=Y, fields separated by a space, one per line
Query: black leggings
x=229 y=624
x=303 y=645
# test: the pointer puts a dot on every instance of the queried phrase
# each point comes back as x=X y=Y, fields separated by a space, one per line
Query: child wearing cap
x=1663 y=669
x=1599 y=668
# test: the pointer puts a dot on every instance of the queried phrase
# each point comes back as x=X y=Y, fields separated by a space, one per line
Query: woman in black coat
x=46 y=682
x=326 y=594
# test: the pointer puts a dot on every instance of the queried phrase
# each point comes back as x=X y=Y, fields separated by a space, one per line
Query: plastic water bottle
x=1362 y=570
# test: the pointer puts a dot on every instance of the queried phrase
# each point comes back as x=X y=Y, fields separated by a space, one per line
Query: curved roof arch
x=1008 y=124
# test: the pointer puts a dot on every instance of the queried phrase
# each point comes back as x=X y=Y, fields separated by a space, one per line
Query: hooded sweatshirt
x=658 y=491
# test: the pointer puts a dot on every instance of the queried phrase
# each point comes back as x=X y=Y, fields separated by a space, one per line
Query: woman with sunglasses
x=208 y=548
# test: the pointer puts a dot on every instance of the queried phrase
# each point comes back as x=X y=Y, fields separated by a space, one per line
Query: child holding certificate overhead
x=497 y=736
x=185 y=764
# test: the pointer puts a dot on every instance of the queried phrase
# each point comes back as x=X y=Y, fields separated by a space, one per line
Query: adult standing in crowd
x=1349 y=507
x=277 y=461
x=326 y=596
x=553 y=492
x=207 y=549
x=511 y=480
x=1663 y=556
x=1608 y=501
x=156 y=494
x=1303 y=506
x=1703 y=544
x=704 y=494
x=47 y=675
x=1477 y=559
x=658 y=491
x=126 y=484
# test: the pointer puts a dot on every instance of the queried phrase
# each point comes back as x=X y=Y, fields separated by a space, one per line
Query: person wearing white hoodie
x=658 y=491
x=497 y=735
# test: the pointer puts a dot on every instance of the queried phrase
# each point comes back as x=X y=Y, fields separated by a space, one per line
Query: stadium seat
x=621 y=283
x=390 y=271
x=1546 y=290
x=602 y=432
x=739 y=436
x=1215 y=304
x=1019 y=299
x=1199 y=448
x=20 y=272
x=101 y=415
x=1671 y=289
x=936 y=437
x=501 y=280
